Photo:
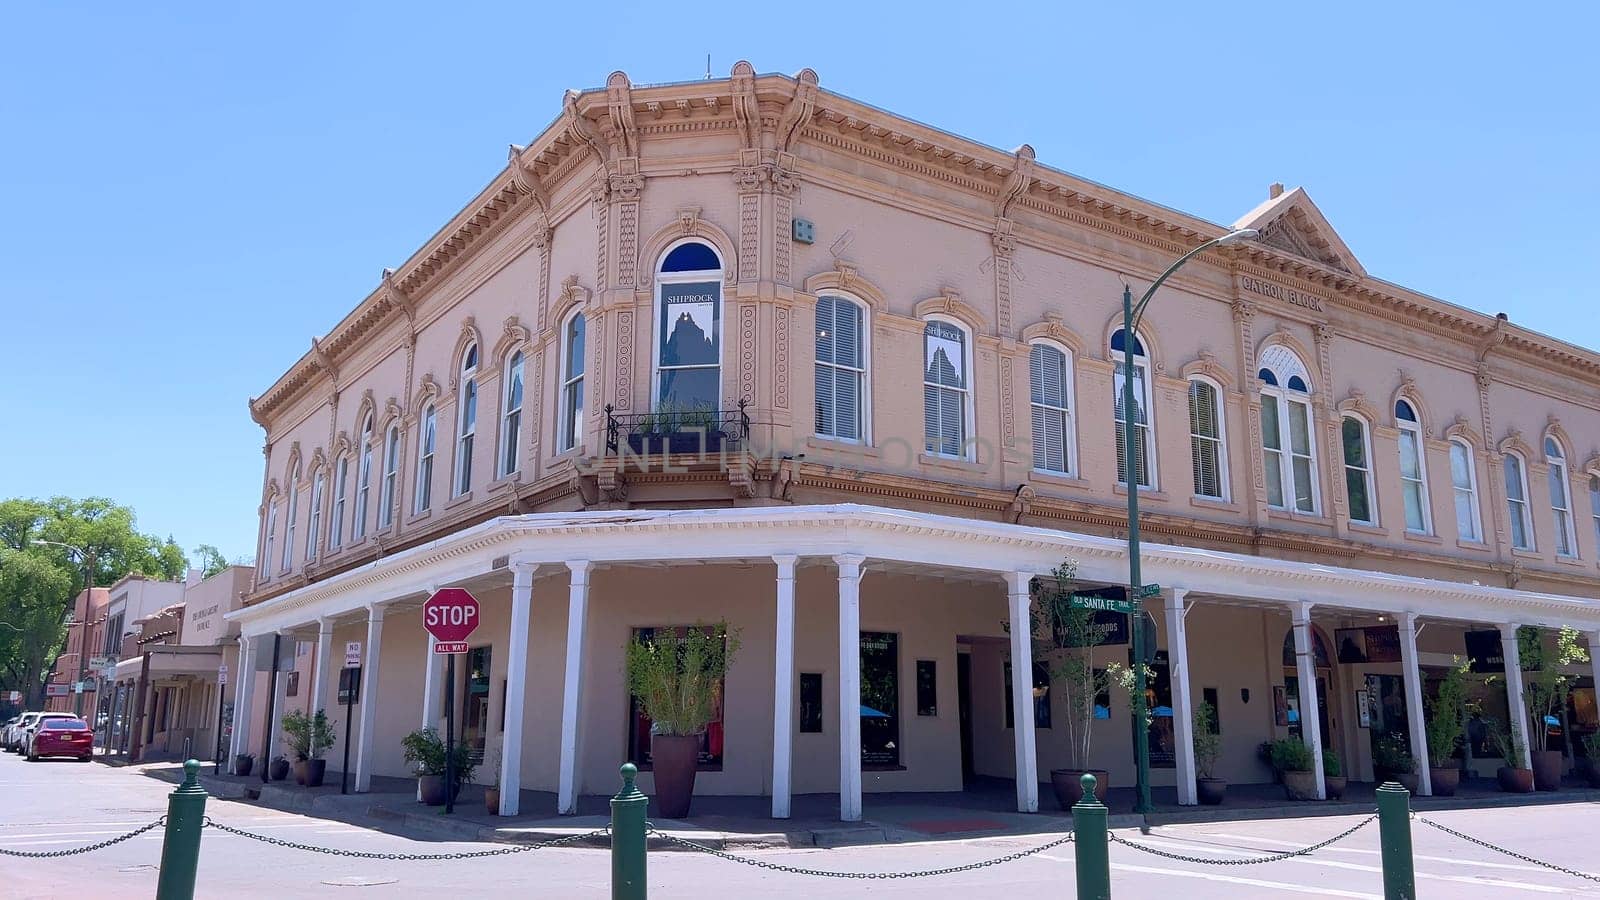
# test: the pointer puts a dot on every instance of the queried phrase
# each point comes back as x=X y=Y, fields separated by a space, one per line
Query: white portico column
x=319 y=683
x=432 y=693
x=572 y=688
x=1516 y=703
x=1306 y=668
x=849 y=686
x=783 y=688
x=369 y=700
x=516 y=688
x=1027 y=753
x=1413 y=682
x=243 y=696
x=1182 y=702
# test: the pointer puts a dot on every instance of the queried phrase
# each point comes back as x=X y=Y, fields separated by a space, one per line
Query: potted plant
x=278 y=769
x=1293 y=758
x=491 y=791
x=425 y=753
x=1545 y=687
x=674 y=428
x=1392 y=761
x=677 y=676
x=1064 y=639
x=1209 y=789
x=1447 y=724
x=243 y=763
x=1512 y=777
x=1333 y=777
x=308 y=738
x=1589 y=765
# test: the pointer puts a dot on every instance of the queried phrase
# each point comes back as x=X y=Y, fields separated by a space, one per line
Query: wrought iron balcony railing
x=668 y=431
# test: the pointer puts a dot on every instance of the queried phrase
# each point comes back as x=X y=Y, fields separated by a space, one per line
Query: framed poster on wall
x=1280 y=706
x=1364 y=708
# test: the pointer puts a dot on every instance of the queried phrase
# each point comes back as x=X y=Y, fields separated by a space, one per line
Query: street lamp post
x=87 y=557
x=1132 y=313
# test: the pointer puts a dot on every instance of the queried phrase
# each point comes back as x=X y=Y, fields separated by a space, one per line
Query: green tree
x=210 y=559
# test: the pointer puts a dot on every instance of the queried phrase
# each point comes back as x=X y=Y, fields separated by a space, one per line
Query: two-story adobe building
x=1324 y=458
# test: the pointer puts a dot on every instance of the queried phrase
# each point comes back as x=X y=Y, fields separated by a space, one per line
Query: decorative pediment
x=367 y=407
x=1592 y=464
x=1461 y=429
x=1206 y=365
x=1051 y=329
x=1356 y=402
x=949 y=303
x=514 y=336
x=318 y=460
x=468 y=337
x=1290 y=223
x=392 y=413
x=844 y=278
x=427 y=390
x=1553 y=429
x=341 y=444
x=1407 y=391
x=1514 y=443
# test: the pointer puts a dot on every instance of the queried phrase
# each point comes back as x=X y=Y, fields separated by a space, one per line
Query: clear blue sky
x=189 y=192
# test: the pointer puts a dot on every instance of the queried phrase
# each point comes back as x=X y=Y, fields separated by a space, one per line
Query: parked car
x=61 y=736
x=13 y=734
x=5 y=729
x=30 y=722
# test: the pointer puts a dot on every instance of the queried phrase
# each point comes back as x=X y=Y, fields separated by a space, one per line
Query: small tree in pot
x=1512 y=777
x=425 y=753
x=1294 y=759
x=1207 y=748
x=1545 y=686
x=1392 y=761
x=1333 y=777
x=1447 y=724
x=308 y=738
x=677 y=676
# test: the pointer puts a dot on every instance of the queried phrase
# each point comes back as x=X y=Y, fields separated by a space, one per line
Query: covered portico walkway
x=847 y=539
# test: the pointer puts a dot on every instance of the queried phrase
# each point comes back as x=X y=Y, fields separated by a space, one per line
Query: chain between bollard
x=825 y=873
x=1511 y=853
x=56 y=854
x=411 y=857
x=1276 y=857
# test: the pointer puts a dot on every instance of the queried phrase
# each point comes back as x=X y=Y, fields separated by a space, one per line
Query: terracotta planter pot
x=1210 y=791
x=1444 y=781
x=299 y=769
x=314 y=770
x=278 y=770
x=243 y=764
x=674 y=758
x=1335 y=785
x=1067 y=784
x=1590 y=771
x=1514 y=781
x=432 y=789
x=1547 y=766
x=1409 y=780
x=491 y=800
x=1300 y=785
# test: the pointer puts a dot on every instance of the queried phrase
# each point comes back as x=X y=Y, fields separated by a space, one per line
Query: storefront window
x=475 y=702
x=810 y=702
x=1041 y=696
x=880 y=699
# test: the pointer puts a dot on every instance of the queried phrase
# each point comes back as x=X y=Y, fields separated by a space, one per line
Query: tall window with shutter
x=1413 y=470
x=1517 y=502
x=945 y=388
x=1464 y=485
x=841 y=369
x=1205 y=440
x=1050 y=391
x=1560 y=498
x=1144 y=462
x=1289 y=456
x=1357 y=470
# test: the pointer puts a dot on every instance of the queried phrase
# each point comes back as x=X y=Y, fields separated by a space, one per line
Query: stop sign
x=450 y=615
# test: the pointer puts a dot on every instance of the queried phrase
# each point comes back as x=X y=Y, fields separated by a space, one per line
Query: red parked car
x=62 y=737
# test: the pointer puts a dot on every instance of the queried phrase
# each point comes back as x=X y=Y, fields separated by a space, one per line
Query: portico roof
x=898 y=536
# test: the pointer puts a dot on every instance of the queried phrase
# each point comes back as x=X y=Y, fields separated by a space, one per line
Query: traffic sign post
x=450 y=615
x=222 y=681
x=352 y=665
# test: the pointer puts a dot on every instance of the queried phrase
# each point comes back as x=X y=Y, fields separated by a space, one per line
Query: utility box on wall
x=804 y=231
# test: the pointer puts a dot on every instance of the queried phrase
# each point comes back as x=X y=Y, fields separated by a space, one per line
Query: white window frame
x=1517 y=508
x=968 y=442
x=1069 y=413
x=1561 y=516
x=1594 y=502
x=508 y=461
x=1221 y=439
x=1470 y=490
x=391 y=477
x=314 y=528
x=1413 y=427
x=291 y=512
x=863 y=375
x=1141 y=363
x=466 y=431
x=427 y=446
x=1284 y=395
x=271 y=541
x=358 y=522
x=569 y=422
x=1369 y=484
x=666 y=278
x=341 y=483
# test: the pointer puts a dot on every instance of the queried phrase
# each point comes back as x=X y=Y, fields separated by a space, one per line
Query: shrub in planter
x=1333 y=777
x=307 y=738
x=1447 y=724
x=1589 y=766
x=1512 y=777
x=425 y=753
x=1392 y=761
x=677 y=676
x=1545 y=688
x=1209 y=789
x=278 y=770
x=1294 y=759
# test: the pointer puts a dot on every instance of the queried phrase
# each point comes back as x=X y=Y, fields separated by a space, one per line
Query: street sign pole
x=450 y=734
x=349 y=704
x=222 y=681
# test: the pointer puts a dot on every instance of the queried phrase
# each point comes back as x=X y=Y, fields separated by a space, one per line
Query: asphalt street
x=61 y=805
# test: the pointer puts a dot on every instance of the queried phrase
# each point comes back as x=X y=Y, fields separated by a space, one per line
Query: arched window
x=571 y=420
x=1464 y=484
x=1358 y=470
x=946 y=387
x=841 y=369
x=341 y=483
x=1144 y=467
x=1286 y=430
x=427 y=441
x=391 y=473
x=466 y=422
x=511 y=416
x=1517 y=502
x=314 y=530
x=1594 y=503
x=292 y=511
x=1560 y=499
x=271 y=539
x=1206 y=440
x=1413 y=469
x=688 y=347
x=358 y=523
x=1050 y=399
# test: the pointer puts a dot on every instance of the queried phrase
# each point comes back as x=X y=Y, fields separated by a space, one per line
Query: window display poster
x=880 y=699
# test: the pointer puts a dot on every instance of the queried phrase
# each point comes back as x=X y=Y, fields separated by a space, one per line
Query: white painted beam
x=366 y=749
x=1516 y=703
x=1306 y=668
x=1414 y=711
x=1182 y=696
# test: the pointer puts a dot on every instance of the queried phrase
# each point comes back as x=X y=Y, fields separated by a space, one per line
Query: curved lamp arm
x=1231 y=237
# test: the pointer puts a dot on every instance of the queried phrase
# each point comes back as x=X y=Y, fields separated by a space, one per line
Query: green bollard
x=628 y=841
x=1394 y=834
x=180 y=847
x=1092 y=850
